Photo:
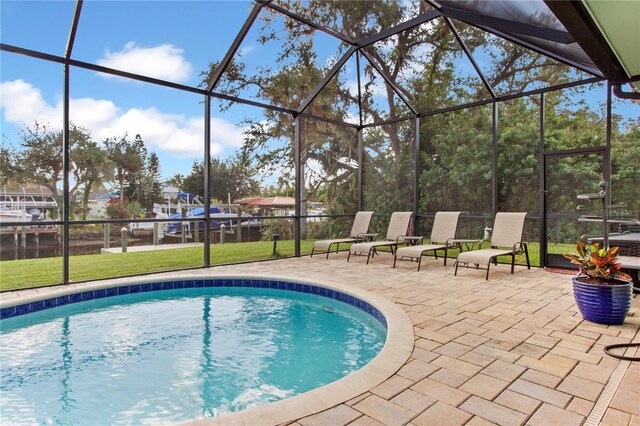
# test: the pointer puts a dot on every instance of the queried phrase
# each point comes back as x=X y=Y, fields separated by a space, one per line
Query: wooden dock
x=22 y=232
x=133 y=249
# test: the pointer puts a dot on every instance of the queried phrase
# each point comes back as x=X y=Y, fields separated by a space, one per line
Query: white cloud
x=164 y=62
x=172 y=133
x=331 y=61
x=176 y=134
x=245 y=50
x=377 y=87
x=225 y=133
x=353 y=116
x=352 y=87
x=408 y=9
x=91 y=113
x=21 y=102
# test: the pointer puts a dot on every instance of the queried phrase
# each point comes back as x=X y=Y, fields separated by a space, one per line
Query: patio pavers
x=512 y=350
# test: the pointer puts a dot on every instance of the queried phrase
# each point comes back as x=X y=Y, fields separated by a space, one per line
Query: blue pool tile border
x=14 y=311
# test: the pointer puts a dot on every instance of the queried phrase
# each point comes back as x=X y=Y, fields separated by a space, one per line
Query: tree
x=91 y=167
x=176 y=180
x=456 y=175
x=7 y=166
x=194 y=181
x=128 y=160
x=37 y=158
x=625 y=170
x=422 y=61
x=241 y=179
x=231 y=178
x=153 y=186
x=135 y=188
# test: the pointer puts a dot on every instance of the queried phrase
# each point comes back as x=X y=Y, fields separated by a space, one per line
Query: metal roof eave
x=577 y=20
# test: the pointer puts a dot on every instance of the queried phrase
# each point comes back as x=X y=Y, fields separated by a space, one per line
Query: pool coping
x=394 y=354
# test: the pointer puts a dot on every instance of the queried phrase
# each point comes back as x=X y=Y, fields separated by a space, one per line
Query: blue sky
x=171 y=40
x=174 y=41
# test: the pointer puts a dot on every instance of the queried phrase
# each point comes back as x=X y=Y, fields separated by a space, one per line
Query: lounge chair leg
x=395 y=257
x=455 y=273
x=513 y=262
x=526 y=253
x=349 y=257
x=445 y=256
x=368 y=256
x=419 y=261
x=329 y=250
x=488 y=266
x=312 y=249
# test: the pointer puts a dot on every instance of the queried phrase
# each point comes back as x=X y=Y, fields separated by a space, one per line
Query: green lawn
x=16 y=274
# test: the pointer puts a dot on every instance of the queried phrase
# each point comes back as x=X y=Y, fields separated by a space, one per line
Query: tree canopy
x=37 y=158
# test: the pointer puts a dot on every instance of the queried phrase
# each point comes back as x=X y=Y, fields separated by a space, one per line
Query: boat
x=217 y=216
x=13 y=215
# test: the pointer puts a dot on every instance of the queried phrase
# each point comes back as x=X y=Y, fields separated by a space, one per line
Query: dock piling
x=155 y=234
x=123 y=238
x=107 y=229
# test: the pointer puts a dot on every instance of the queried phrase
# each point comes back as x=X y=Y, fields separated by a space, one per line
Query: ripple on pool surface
x=177 y=355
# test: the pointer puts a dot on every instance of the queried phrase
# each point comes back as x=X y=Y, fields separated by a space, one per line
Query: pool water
x=177 y=355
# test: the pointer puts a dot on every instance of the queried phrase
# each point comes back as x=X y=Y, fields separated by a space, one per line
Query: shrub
x=599 y=264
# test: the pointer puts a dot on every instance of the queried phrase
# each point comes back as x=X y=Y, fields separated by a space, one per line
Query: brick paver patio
x=513 y=350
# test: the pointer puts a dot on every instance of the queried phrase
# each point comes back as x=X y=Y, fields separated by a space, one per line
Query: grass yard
x=15 y=274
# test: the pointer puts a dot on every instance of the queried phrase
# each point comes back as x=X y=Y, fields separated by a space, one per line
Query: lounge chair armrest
x=366 y=236
x=458 y=242
x=410 y=240
x=403 y=237
x=518 y=247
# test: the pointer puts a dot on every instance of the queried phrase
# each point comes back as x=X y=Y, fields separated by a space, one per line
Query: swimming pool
x=189 y=349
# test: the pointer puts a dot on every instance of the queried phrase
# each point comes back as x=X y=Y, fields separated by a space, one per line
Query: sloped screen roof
x=358 y=62
x=529 y=14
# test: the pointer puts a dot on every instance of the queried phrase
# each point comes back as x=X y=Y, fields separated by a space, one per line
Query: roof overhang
x=608 y=31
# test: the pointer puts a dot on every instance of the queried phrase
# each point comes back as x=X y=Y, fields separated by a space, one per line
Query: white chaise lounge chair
x=399 y=226
x=444 y=229
x=358 y=229
x=508 y=229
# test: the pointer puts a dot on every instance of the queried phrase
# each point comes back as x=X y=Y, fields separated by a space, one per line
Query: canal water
x=49 y=247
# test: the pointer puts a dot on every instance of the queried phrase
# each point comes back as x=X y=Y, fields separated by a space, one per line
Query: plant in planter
x=601 y=290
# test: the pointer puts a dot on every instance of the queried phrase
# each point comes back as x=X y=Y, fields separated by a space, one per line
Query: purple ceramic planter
x=603 y=303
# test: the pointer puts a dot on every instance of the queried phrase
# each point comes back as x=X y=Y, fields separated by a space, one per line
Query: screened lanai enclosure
x=284 y=118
